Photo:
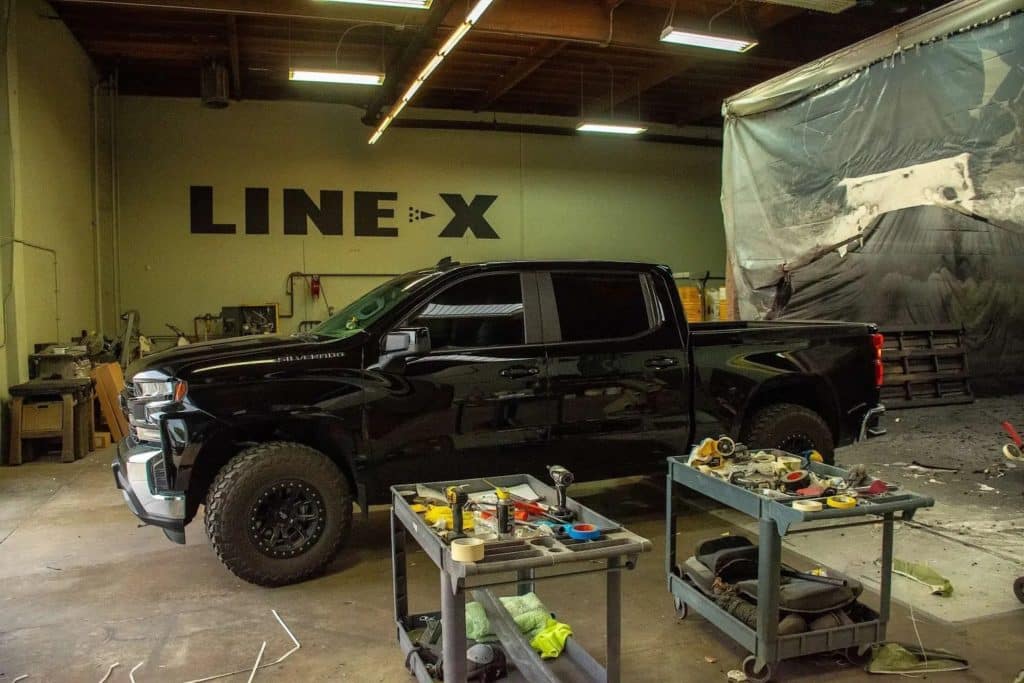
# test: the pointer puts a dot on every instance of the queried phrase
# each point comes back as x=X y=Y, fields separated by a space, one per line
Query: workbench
x=776 y=518
x=53 y=408
x=509 y=562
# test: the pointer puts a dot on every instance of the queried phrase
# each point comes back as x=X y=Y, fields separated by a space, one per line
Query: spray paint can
x=506 y=520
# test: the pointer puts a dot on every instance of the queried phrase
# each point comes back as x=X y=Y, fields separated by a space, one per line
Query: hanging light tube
x=413 y=4
x=614 y=128
x=460 y=31
x=335 y=76
x=695 y=39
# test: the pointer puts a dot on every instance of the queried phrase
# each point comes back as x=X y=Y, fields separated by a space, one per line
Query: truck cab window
x=594 y=306
x=478 y=312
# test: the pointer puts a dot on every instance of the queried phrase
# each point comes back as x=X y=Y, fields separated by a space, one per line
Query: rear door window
x=597 y=306
x=477 y=312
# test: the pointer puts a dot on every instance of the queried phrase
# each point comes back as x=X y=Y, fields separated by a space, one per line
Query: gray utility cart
x=511 y=562
x=776 y=519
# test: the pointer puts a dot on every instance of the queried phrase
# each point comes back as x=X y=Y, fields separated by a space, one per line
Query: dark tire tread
x=238 y=554
x=765 y=421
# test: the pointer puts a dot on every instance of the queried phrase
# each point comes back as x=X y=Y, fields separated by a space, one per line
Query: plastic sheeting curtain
x=894 y=195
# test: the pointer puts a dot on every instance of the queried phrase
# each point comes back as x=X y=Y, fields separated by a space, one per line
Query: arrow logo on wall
x=418 y=214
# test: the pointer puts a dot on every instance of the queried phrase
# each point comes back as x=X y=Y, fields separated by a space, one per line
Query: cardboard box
x=100 y=440
x=109 y=385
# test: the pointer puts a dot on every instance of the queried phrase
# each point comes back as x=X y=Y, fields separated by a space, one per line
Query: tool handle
x=793 y=574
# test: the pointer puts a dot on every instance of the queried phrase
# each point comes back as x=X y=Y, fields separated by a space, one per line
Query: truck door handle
x=660 y=362
x=518 y=372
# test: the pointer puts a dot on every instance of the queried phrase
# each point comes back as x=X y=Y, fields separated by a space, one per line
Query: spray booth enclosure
x=885 y=183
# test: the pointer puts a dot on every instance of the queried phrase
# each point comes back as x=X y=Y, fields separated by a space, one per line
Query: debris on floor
x=923 y=574
x=109 y=670
x=916 y=466
x=252 y=671
x=901 y=658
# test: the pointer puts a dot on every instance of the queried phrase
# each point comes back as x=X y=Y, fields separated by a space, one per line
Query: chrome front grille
x=158 y=471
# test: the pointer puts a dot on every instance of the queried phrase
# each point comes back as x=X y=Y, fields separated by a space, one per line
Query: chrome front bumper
x=136 y=474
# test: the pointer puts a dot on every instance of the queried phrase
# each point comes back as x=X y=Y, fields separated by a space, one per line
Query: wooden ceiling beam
x=401 y=68
x=281 y=9
x=540 y=54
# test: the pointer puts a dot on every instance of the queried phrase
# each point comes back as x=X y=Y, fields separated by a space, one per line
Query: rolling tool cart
x=507 y=561
x=777 y=517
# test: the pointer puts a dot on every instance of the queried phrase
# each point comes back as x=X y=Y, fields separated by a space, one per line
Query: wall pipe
x=97 y=242
x=290 y=287
x=115 y=191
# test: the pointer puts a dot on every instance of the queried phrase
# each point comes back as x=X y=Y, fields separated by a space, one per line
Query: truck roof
x=544 y=264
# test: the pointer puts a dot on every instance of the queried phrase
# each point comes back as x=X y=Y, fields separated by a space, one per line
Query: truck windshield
x=372 y=305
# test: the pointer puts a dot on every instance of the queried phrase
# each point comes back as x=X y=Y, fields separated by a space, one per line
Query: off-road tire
x=790 y=427
x=237 y=487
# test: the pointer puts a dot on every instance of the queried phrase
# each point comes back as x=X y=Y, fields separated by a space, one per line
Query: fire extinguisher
x=314 y=287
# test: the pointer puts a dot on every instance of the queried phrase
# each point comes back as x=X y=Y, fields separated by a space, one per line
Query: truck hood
x=183 y=360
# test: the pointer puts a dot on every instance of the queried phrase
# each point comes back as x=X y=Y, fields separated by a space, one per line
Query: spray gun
x=457 y=499
x=562 y=478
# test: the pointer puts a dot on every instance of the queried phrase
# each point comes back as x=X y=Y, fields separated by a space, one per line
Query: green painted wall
x=558 y=197
x=47 y=198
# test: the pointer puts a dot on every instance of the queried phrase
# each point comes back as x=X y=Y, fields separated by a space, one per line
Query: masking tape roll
x=467 y=549
x=841 y=502
x=807 y=505
x=1012 y=451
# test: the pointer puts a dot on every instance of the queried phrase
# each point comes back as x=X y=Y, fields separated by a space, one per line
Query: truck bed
x=726 y=332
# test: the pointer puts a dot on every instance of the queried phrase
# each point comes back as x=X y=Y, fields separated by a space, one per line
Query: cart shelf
x=512 y=562
x=775 y=520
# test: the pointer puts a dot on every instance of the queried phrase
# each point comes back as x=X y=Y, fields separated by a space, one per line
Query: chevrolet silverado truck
x=459 y=371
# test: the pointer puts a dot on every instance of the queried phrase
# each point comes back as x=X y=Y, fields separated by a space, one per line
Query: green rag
x=923 y=574
x=478 y=627
x=529 y=613
x=894 y=658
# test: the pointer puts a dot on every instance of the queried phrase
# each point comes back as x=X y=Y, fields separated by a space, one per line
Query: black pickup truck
x=466 y=370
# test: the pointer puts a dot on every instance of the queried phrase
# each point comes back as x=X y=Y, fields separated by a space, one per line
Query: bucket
x=691 y=299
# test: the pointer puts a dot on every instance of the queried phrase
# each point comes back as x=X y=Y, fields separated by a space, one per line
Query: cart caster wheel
x=760 y=676
x=1018 y=588
x=682 y=609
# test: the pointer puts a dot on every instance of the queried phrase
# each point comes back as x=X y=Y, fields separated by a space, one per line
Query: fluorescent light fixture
x=414 y=4
x=435 y=61
x=453 y=40
x=615 y=128
x=672 y=35
x=353 y=77
x=477 y=10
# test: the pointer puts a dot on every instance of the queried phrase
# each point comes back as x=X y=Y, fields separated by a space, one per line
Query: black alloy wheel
x=287 y=519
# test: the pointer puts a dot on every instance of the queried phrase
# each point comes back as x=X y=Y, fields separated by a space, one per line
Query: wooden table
x=73 y=398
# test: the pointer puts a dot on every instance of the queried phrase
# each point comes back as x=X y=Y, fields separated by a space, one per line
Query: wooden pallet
x=925 y=366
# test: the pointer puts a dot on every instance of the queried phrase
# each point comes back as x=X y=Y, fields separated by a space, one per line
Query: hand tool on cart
x=457 y=499
x=562 y=479
x=827 y=580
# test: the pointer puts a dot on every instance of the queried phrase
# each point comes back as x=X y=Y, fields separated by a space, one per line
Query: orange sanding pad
x=811 y=492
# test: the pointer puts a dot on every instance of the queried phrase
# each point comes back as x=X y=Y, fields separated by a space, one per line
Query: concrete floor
x=84 y=587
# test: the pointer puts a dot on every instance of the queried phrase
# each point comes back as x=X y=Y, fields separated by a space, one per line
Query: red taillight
x=878 y=341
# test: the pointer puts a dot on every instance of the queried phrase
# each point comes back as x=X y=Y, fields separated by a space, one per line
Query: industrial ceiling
x=575 y=58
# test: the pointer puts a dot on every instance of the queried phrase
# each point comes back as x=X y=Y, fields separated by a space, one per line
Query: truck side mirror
x=402 y=343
